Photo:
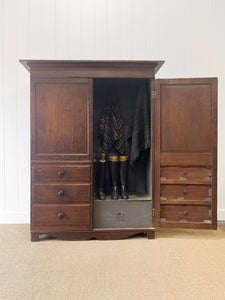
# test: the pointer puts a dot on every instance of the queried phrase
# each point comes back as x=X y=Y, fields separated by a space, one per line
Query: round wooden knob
x=60 y=215
x=185 y=213
x=60 y=193
x=185 y=191
x=61 y=173
x=119 y=214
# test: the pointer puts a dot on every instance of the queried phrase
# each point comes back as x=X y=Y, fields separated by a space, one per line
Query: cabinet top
x=93 y=68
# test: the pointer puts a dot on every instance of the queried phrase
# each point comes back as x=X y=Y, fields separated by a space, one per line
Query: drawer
x=61 y=193
x=186 y=174
x=185 y=213
x=122 y=214
x=62 y=173
x=66 y=215
x=183 y=192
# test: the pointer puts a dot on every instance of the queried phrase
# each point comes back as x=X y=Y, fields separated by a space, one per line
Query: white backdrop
x=189 y=35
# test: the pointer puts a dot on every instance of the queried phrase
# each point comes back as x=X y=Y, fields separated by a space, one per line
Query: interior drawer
x=183 y=192
x=73 y=215
x=186 y=173
x=185 y=213
x=122 y=214
x=61 y=193
x=62 y=173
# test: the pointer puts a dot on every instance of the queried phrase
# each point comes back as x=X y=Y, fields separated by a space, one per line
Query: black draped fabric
x=141 y=131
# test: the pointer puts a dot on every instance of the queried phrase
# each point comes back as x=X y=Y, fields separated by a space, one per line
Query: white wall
x=189 y=35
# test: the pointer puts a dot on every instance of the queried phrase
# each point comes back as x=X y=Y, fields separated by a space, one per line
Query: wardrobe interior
x=127 y=91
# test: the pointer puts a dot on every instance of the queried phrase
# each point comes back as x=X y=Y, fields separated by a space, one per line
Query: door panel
x=185 y=122
x=185 y=117
x=62 y=123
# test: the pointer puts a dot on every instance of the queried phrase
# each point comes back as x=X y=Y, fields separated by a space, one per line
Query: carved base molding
x=99 y=234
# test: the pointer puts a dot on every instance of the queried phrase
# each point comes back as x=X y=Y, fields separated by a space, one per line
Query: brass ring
x=123 y=158
x=113 y=158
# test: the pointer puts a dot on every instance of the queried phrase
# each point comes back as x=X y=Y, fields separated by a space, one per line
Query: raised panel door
x=185 y=114
x=62 y=115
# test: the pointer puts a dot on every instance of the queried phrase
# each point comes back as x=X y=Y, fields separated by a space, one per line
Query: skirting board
x=24 y=217
x=14 y=217
x=221 y=215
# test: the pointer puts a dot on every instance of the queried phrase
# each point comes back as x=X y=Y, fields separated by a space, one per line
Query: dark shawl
x=141 y=133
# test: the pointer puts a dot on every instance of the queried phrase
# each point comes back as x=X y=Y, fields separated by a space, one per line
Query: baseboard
x=15 y=217
x=221 y=215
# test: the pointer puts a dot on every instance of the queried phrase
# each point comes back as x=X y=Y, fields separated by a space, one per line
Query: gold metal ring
x=103 y=158
x=123 y=158
x=113 y=158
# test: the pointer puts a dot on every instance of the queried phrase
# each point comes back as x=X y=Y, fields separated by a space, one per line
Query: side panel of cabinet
x=61 y=127
x=185 y=114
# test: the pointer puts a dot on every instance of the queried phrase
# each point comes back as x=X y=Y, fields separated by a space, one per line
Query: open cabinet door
x=185 y=153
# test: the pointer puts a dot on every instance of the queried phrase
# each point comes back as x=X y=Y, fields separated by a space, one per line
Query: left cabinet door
x=61 y=126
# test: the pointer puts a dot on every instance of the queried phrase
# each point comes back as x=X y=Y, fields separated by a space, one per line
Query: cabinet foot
x=151 y=234
x=35 y=237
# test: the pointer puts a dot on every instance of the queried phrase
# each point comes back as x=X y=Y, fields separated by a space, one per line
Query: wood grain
x=100 y=234
x=61 y=193
x=97 y=68
x=185 y=213
x=186 y=159
x=185 y=192
x=61 y=116
x=71 y=173
x=187 y=129
x=183 y=124
x=186 y=174
x=73 y=215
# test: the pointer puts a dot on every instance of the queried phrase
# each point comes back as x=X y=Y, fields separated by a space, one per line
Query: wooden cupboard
x=179 y=180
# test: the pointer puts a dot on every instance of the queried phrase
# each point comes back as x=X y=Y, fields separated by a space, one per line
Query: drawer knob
x=60 y=193
x=185 y=191
x=61 y=173
x=119 y=214
x=185 y=213
x=185 y=172
x=60 y=215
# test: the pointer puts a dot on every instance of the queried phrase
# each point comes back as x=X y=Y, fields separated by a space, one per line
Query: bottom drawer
x=185 y=213
x=122 y=214
x=63 y=215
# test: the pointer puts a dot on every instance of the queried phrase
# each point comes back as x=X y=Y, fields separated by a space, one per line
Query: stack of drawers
x=61 y=197
x=185 y=195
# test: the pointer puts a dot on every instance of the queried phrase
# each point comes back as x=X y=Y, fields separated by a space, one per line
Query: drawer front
x=183 y=192
x=185 y=213
x=186 y=173
x=61 y=193
x=64 y=215
x=62 y=173
x=122 y=214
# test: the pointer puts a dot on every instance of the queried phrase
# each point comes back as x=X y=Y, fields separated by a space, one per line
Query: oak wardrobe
x=174 y=184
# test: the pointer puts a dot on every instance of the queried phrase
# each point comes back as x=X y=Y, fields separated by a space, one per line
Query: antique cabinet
x=179 y=180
